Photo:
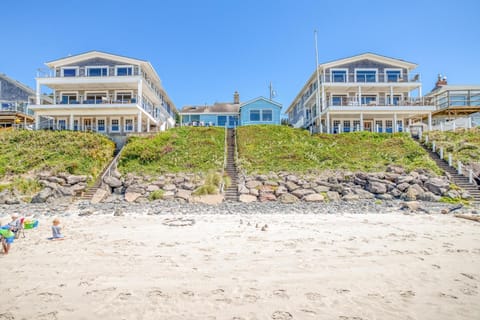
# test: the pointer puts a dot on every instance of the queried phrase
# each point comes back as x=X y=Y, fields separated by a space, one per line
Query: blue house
x=256 y=111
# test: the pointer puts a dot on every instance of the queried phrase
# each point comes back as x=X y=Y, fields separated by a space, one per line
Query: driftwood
x=468 y=217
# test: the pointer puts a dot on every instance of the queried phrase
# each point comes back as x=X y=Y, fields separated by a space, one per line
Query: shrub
x=156 y=195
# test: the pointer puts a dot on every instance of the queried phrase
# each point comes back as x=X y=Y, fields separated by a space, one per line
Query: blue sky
x=205 y=50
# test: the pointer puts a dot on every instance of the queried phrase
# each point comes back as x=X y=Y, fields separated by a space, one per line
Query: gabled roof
x=217 y=108
x=100 y=54
x=370 y=56
x=264 y=99
x=18 y=84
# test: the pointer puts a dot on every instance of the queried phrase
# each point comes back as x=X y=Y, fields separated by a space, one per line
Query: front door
x=87 y=124
x=367 y=126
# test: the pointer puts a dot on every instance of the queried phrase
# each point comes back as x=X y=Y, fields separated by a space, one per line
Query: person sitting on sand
x=56 y=230
x=15 y=223
x=7 y=236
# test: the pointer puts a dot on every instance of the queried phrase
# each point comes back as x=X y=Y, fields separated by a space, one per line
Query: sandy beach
x=301 y=266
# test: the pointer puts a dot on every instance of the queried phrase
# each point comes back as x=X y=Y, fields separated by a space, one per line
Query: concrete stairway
x=459 y=180
x=231 y=193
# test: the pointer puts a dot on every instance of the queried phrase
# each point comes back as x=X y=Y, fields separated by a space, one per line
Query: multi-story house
x=367 y=92
x=257 y=111
x=456 y=105
x=15 y=97
x=103 y=92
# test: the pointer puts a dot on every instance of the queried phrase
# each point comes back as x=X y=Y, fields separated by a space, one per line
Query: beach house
x=15 y=98
x=366 y=92
x=105 y=93
x=457 y=106
x=231 y=114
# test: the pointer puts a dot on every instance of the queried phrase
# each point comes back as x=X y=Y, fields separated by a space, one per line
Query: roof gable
x=276 y=104
x=370 y=56
x=92 y=55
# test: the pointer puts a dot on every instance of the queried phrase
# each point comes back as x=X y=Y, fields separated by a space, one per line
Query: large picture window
x=339 y=75
x=70 y=72
x=393 y=75
x=97 y=71
x=124 y=71
x=366 y=75
x=267 y=115
x=222 y=120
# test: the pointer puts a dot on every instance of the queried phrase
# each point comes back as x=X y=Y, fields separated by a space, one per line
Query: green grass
x=464 y=145
x=279 y=148
x=186 y=149
x=79 y=153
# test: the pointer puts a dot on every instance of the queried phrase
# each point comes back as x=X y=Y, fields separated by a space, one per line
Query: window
x=69 y=98
x=336 y=126
x=346 y=126
x=378 y=126
x=124 y=97
x=222 y=120
x=458 y=98
x=369 y=100
x=128 y=125
x=62 y=124
x=95 y=98
x=366 y=75
x=254 y=115
x=356 y=125
x=475 y=98
x=399 y=125
x=267 y=115
x=115 y=125
x=393 y=75
x=233 y=121
x=388 y=126
x=339 y=75
x=396 y=100
x=70 y=72
x=101 y=125
x=339 y=100
x=97 y=71
x=124 y=71
x=75 y=125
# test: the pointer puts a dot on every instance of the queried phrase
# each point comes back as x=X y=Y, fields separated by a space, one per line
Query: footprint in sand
x=48 y=316
x=310 y=312
x=313 y=296
x=407 y=294
x=282 y=315
x=250 y=298
x=281 y=293
x=340 y=291
x=469 y=276
x=49 y=296
x=157 y=294
x=123 y=296
x=188 y=293
x=6 y=316
x=447 y=295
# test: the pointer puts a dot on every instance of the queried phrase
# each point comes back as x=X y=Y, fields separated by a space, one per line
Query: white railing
x=359 y=77
x=465 y=123
x=355 y=102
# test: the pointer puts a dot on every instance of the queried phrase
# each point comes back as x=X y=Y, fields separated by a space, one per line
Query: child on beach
x=56 y=230
x=6 y=237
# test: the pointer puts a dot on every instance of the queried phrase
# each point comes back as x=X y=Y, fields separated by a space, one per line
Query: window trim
x=339 y=69
x=259 y=115
x=104 y=124
x=123 y=91
x=69 y=93
x=125 y=124
x=86 y=93
x=77 y=72
x=263 y=110
x=124 y=66
x=62 y=119
x=87 y=69
x=366 y=69
x=119 y=124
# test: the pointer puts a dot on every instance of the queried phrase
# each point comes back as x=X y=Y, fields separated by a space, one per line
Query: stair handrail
x=112 y=166
x=225 y=151
x=235 y=150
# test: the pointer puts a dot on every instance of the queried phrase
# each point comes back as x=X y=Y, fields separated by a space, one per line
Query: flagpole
x=318 y=81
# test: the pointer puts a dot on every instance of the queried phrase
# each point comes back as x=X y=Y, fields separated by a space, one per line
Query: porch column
x=328 y=122
x=139 y=92
x=54 y=97
x=430 y=121
x=359 y=95
x=37 y=121
x=395 y=129
x=148 y=124
x=37 y=93
x=71 y=122
x=391 y=95
x=361 y=121
x=139 y=121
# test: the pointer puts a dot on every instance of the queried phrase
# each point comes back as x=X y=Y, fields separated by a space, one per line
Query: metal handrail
x=112 y=166
x=236 y=146
x=225 y=155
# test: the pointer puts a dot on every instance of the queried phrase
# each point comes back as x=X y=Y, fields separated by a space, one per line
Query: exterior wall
x=95 y=62
x=12 y=93
x=260 y=104
x=365 y=64
x=209 y=119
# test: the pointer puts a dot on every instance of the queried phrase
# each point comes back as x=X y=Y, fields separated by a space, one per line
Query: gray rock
x=168 y=195
x=252 y=184
x=152 y=187
x=350 y=197
x=437 y=186
x=395 y=192
x=66 y=191
x=73 y=179
x=384 y=196
x=113 y=182
x=376 y=187
x=267 y=196
x=403 y=186
x=183 y=194
x=280 y=190
x=320 y=189
x=428 y=196
x=242 y=189
x=188 y=186
x=58 y=180
x=453 y=194
x=333 y=196
x=292 y=178
x=132 y=196
x=169 y=187
x=405 y=179
x=395 y=169
x=254 y=192
x=246 y=198
x=291 y=186
x=288 y=198
x=314 y=197
x=42 y=196
x=300 y=193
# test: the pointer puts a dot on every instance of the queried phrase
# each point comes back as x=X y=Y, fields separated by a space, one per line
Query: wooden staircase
x=460 y=180
x=231 y=193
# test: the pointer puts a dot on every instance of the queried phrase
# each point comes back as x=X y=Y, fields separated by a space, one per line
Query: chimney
x=236 y=98
x=441 y=81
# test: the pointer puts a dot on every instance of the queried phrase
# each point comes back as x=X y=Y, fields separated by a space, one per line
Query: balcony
x=382 y=104
x=370 y=78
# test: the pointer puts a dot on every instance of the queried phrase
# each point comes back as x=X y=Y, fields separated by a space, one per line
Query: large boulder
x=300 y=193
x=113 y=182
x=351 y=197
x=73 y=179
x=288 y=198
x=280 y=190
x=132 y=196
x=253 y=184
x=437 y=186
x=183 y=194
x=267 y=196
x=376 y=187
x=291 y=186
x=333 y=196
x=42 y=196
x=246 y=198
x=314 y=197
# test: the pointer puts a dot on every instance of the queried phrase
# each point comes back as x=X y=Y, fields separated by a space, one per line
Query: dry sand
x=369 y=266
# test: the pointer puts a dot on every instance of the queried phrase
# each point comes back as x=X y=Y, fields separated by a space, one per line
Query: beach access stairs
x=460 y=180
x=231 y=192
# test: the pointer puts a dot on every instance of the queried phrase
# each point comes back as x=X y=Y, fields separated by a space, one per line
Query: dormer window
x=97 y=71
x=124 y=70
x=69 y=72
x=366 y=75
